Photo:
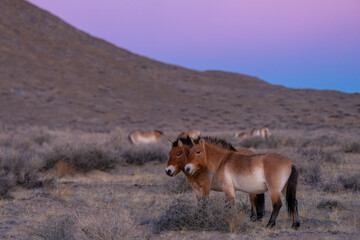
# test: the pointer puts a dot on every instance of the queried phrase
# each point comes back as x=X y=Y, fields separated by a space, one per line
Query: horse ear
x=180 y=143
x=202 y=141
x=192 y=141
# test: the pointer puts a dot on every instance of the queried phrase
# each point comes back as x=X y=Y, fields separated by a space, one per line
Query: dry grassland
x=76 y=185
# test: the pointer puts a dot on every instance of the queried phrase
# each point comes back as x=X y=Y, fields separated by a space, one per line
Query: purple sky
x=297 y=43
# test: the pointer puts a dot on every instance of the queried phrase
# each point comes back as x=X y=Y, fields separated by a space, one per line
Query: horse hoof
x=270 y=224
x=295 y=225
x=259 y=217
x=253 y=218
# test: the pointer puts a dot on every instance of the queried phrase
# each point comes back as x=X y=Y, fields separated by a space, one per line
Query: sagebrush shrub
x=7 y=181
x=178 y=184
x=351 y=182
x=207 y=215
x=140 y=154
x=83 y=156
x=108 y=224
x=259 y=142
x=329 y=204
x=352 y=147
x=54 y=227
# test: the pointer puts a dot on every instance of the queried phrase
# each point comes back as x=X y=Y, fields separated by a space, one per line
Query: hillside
x=52 y=74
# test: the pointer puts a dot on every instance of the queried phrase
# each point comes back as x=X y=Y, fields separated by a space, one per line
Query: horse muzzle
x=189 y=169
x=170 y=171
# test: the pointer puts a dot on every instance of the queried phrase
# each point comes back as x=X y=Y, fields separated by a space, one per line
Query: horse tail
x=291 y=190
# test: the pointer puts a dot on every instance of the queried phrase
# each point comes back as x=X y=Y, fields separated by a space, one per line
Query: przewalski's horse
x=192 y=134
x=139 y=137
x=262 y=132
x=253 y=174
x=203 y=180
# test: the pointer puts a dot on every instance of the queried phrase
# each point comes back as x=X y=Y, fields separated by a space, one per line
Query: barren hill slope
x=54 y=75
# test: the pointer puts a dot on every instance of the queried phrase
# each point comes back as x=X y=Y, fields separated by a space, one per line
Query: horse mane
x=186 y=141
x=212 y=140
x=218 y=142
x=159 y=132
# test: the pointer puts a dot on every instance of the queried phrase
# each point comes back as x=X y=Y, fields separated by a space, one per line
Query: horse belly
x=146 y=139
x=256 y=133
x=250 y=184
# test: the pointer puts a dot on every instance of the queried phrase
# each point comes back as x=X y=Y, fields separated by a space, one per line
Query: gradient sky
x=295 y=43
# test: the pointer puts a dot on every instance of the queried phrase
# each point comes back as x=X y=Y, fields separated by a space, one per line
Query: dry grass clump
x=270 y=142
x=352 y=147
x=21 y=159
x=209 y=215
x=351 y=182
x=319 y=141
x=26 y=153
x=109 y=224
x=118 y=139
x=55 y=227
x=7 y=181
x=84 y=156
x=312 y=173
x=309 y=163
x=40 y=135
x=20 y=167
x=332 y=186
x=177 y=184
x=329 y=204
x=140 y=154
x=105 y=224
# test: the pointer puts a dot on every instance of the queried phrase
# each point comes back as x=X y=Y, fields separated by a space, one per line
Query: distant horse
x=192 y=134
x=139 y=137
x=262 y=132
x=254 y=174
x=203 y=180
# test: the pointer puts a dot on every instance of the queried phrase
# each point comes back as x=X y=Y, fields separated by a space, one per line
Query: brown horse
x=139 y=137
x=253 y=174
x=262 y=132
x=192 y=134
x=203 y=180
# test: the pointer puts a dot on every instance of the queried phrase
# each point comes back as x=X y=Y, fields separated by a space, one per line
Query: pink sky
x=298 y=43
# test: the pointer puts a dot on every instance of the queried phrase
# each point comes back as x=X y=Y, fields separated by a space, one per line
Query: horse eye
x=197 y=153
x=178 y=154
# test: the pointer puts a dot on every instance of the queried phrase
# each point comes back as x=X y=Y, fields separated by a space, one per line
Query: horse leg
x=257 y=206
x=205 y=190
x=197 y=192
x=229 y=191
x=260 y=206
x=204 y=181
x=253 y=207
x=276 y=203
x=230 y=211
